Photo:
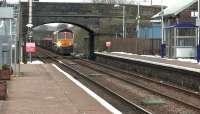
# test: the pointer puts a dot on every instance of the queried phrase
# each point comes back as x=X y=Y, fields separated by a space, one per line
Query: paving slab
x=42 y=89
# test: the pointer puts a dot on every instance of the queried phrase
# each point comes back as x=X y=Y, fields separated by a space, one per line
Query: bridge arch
x=45 y=15
x=67 y=22
x=94 y=18
x=91 y=35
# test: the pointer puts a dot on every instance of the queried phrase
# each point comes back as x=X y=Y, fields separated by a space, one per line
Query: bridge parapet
x=99 y=18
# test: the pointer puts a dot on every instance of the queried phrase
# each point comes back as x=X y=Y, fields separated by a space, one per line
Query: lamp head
x=116 y=5
x=29 y=25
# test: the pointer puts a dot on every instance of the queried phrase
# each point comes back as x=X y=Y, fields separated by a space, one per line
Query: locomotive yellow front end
x=65 y=46
x=64 y=42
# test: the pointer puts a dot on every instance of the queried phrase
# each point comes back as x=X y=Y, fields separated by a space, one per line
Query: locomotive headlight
x=58 y=44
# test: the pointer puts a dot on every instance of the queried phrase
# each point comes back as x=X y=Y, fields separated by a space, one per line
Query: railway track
x=41 y=58
x=189 y=98
x=131 y=108
x=139 y=81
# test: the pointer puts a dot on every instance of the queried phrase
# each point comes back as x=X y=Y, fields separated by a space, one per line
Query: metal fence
x=4 y=42
x=7 y=35
x=132 y=45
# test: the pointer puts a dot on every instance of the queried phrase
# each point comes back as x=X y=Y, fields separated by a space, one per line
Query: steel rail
x=139 y=109
x=146 y=88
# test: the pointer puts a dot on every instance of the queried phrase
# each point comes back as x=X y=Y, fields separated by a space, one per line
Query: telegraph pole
x=124 y=34
x=162 y=21
x=163 y=46
x=138 y=20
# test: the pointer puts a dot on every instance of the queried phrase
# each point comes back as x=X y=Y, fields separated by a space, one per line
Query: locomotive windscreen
x=65 y=34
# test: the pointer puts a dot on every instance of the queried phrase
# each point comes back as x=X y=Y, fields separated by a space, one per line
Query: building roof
x=176 y=8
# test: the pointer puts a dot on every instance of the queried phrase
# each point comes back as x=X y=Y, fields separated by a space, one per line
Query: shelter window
x=186 y=41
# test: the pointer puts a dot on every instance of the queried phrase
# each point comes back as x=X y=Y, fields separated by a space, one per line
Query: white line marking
x=91 y=93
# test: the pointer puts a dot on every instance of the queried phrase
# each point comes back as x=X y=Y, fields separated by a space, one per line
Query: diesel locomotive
x=60 y=42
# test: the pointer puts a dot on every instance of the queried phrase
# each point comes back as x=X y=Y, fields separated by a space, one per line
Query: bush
x=5 y=67
x=5 y=70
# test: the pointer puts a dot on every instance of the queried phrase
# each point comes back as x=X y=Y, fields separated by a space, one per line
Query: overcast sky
x=166 y=2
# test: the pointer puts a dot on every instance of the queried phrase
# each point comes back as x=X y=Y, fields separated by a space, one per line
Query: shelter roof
x=183 y=25
x=176 y=8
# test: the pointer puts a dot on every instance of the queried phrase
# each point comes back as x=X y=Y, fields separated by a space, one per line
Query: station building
x=151 y=30
x=180 y=30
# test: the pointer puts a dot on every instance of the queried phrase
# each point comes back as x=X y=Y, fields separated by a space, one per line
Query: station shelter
x=181 y=40
x=180 y=32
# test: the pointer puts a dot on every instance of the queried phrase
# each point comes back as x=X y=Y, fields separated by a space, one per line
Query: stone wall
x=99 y=18
x=180 y=77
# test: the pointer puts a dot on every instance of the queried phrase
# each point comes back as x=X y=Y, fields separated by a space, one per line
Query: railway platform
x=181 y=73
x=157 y=61
x=44 y=89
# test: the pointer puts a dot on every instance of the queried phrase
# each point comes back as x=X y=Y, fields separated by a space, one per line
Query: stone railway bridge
x=97 y=19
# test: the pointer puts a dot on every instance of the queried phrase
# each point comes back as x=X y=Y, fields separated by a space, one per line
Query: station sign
x=30 y=47
x=108 y=44
x=6 y=12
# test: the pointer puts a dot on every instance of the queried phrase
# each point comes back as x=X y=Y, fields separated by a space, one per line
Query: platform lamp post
x=163 y=45
x=123 y=20
x=18 y=40
x=138 y=19
x=198 y=39
x=30 y=37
